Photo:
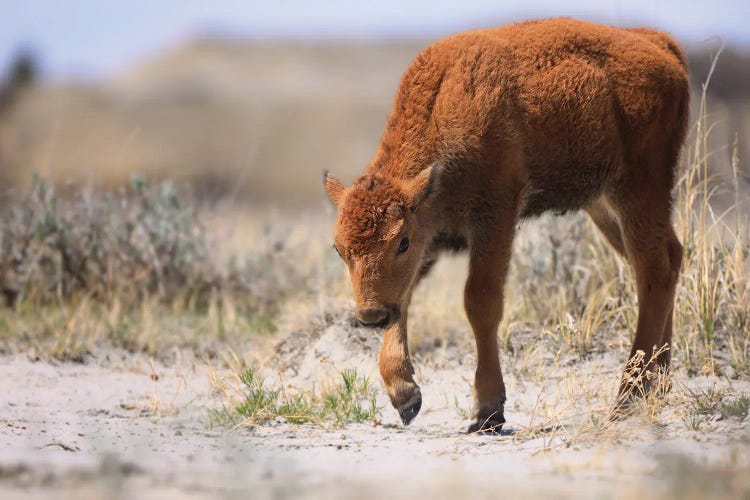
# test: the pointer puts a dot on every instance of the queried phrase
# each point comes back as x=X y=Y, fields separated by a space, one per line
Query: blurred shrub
x=21 y=73
x=23 y=70
x=141 y=242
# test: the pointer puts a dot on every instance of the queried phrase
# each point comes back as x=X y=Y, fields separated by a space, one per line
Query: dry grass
x=714 y=292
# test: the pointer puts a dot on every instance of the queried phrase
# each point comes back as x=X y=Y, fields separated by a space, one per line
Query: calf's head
x=380 y=235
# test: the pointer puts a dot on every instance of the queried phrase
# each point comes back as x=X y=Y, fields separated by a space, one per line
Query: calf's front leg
x=398 y=373
x=483 y=300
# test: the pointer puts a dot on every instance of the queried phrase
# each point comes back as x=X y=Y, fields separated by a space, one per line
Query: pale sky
x=93 y=38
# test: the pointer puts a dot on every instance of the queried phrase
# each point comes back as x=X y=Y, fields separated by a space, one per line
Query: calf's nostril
x=382 y=323
x=374 y=319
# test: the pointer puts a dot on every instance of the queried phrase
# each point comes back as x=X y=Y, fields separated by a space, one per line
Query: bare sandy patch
x=123 y=424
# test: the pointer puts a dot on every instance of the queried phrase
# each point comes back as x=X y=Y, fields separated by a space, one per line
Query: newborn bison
x=493 y=126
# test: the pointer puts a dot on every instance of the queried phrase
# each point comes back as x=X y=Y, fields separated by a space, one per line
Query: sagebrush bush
x=141 y=242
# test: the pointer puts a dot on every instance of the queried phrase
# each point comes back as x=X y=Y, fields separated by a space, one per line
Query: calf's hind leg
x=655 y=254
x=483 y=300
x=675 y=260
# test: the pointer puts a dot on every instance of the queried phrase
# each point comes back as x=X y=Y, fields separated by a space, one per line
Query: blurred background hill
x=257 y=118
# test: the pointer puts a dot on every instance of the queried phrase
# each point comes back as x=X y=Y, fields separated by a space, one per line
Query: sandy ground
x=122 y=425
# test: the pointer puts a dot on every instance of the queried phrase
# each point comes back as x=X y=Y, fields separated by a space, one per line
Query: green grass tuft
x=352 y=400
x=736 y=407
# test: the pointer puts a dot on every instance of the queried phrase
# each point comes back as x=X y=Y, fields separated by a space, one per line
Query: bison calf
x=497 y=125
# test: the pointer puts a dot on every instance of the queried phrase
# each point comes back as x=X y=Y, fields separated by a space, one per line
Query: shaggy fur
x=495 y=125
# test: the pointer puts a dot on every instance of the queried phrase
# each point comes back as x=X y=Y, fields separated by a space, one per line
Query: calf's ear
x=423 y=185
x=334 y=188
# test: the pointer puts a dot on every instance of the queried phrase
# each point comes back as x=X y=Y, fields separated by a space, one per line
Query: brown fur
x=495 y=125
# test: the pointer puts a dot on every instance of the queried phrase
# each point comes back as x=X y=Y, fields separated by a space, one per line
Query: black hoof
x=488 y=426
x=407 y=414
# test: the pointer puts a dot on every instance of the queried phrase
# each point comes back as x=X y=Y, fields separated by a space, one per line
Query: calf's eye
x=404 y=245
x=337 y=251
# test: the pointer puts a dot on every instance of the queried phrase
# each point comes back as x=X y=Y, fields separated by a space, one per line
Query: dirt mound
x=313 y=356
